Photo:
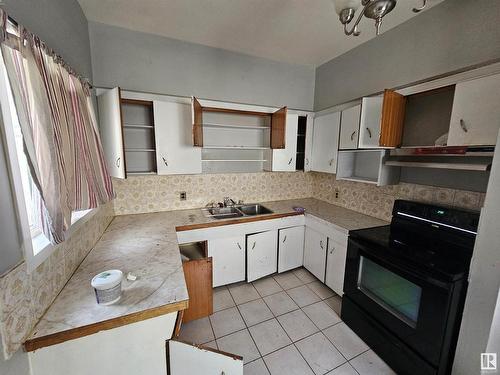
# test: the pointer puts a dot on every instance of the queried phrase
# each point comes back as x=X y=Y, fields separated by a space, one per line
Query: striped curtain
x=61 y=139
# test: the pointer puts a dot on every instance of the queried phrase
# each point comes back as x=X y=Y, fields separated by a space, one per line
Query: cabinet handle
x=332 y=250
x=369 y=132
x=463 y=126
x=253 y=246
x=321 y=244
x=165 y=161
x=290 y=161
x=331 y=162
x=237 y=243
x=284 y=239
x=352 y=135
x=118 y=162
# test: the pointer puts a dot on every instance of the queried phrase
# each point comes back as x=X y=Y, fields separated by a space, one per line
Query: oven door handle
x=397 y=268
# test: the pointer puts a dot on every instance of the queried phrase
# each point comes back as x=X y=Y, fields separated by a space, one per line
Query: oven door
x=412 y=306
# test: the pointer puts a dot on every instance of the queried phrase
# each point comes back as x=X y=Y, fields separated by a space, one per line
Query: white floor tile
x=256 y=367
x=243 y=293
x=370 y=364
x=222 y=299
x=304 y=275
x=280 y=303
x=287 y=361
x=269 y=336
x=211 y=344
x=288 y=280
x=267 y=286
x=321 y=289
x=255 y=312
x=239 y=343
x=227 y=321
x=197 y=331
x=349 y=344
x=303 y=296
x=321 y=355
x=322 y=315
x=345 y=369
x=297 y=325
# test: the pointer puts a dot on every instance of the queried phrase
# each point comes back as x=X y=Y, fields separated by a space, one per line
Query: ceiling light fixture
x=374 y=9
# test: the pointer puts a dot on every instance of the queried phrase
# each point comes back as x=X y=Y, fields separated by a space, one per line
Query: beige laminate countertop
x=146 y=245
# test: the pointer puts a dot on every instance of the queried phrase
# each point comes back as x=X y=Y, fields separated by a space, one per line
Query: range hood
x=450 y=157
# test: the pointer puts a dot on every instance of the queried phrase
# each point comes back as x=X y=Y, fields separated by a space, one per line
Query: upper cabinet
x=175 y=153
x=475 y=117
x=325 y=143
x=285 y=159
x=349 y=128
x=369 y=126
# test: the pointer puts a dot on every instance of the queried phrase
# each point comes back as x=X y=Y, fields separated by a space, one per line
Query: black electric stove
x=405 y=285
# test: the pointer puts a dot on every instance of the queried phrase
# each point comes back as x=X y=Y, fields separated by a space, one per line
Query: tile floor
x=284 y=324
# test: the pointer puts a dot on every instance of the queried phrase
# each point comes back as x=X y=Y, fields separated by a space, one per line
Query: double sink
x=236 y=211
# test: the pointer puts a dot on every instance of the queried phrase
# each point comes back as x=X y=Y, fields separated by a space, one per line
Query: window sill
x=42 y=248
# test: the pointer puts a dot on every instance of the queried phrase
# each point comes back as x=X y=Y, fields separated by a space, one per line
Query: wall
x=59 y=23
x=151 y=63
x=452 y=35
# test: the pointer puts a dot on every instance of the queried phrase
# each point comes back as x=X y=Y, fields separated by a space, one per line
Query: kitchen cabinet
x=262 y=254
x=187 y=359
x=284 y=160
x=174 y=151
x=315 y=253
x=290 y=248
x=309 y=143
x=369 y=126
x=335 y=262
x=228 y=259
x=475 y=116
x=349 y=128
x=325 y=143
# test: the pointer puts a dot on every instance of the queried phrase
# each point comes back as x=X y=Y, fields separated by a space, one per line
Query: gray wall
x=151 y=63
x=451 y=36
x=61 y=24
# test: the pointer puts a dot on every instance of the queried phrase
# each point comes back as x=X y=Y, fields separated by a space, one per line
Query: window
x=37 y=247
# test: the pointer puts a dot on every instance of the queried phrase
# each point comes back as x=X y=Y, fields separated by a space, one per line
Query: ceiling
x=293 y=31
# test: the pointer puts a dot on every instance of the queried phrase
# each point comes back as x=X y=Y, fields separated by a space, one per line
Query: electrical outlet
x=182 y=196
x=337 y=192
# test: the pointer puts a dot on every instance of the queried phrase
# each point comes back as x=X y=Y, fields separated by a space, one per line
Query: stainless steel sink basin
x=255 y=209
x=236 y=211
x=224 y=212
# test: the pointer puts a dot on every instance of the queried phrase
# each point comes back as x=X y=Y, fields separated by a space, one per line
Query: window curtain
x=61 y=139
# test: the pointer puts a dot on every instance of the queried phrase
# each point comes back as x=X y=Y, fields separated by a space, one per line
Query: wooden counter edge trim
x=75 y=333
x=240 y=220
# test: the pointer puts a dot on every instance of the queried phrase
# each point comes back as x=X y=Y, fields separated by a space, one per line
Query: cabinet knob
x=369 y=132
x=118 y=162
x=332 y=250
x=321 y=244
x=237 y=243
x=352 y=135
x=290 y=161
x=253 y=246
x=284 y=239
x=331 y=162
x=164 y=161
x=463 y=126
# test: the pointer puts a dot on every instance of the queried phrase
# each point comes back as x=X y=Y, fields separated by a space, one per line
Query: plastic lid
x=107 y=279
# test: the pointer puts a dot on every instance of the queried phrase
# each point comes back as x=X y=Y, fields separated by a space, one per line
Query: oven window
x=396 y=294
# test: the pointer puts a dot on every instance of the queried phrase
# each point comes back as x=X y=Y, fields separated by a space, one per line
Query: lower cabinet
x=228 y=259
x=335 y=266
x=262 y=254
x=290 y=248
x=315 y=253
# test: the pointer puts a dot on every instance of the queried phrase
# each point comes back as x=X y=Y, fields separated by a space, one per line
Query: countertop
x=146 y=245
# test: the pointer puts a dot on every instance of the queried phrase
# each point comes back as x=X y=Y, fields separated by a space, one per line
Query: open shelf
x=234 y=160
x=366 y=166
x=140 y=150
x=231 y=126
x=236 y=147
x=137 y=126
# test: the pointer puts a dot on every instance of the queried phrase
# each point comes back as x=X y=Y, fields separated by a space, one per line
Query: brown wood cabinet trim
x=236 y=111
x=202 y=346
x=199 y=282
x=74 y=333
x=392 y=122
x=220 y=223
x=149 y=103
x=197 y=123
x=278 y=128
x=178 y=324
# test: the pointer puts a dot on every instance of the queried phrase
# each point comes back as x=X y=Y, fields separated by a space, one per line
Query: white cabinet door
x=110 y=126
x=262 y=254
x=284 y=159
x=309 y=143
x=186 y=359
x=228 y=259
x=315 y=253
x=475 y=117
x=290 y=248
x=325 y=143
x=335 y=267
x=369 y=126
x=175 y=153
x=349 y=128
